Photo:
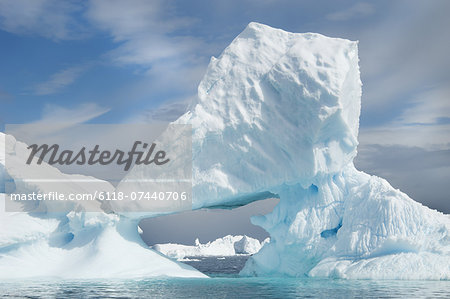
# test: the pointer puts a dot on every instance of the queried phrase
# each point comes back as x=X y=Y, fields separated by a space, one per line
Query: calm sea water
x=218 y=266
x=224 y=284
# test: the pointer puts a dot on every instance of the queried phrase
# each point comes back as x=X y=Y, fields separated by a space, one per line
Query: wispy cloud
x=48 y=18
x=146 y=30
x=56 y=119
x=153 y=38
x=428 y=108
x=73 y=115
x=426 y=137
x=166 y=112
x=423 y=124
x=404 y=54
x=360 y=9
x=59 y=80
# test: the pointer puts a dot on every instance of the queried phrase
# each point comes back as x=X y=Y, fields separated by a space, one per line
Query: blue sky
x=127 y=61
x=114 y=60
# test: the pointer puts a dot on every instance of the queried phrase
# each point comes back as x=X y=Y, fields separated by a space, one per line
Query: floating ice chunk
x=226 y=246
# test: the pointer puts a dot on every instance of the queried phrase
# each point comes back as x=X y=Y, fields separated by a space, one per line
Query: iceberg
x=76 y=244
x=277 y=115
x=247 y=245
x=226 y=246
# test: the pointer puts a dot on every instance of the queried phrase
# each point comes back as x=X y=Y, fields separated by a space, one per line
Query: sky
x=141 y=61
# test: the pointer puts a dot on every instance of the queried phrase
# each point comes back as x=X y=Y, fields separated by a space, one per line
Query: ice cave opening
x=218 y=240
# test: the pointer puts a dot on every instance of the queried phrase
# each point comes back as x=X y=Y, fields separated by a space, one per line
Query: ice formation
x=226 y=246
x=277 y=114
x=70 y=245
x=247 y=245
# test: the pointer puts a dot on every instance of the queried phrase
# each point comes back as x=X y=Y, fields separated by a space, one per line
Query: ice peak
x=275 y=107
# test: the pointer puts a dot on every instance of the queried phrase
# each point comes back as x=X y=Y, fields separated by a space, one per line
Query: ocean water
x=218 y=266
x=226 y=287
x=224 y=283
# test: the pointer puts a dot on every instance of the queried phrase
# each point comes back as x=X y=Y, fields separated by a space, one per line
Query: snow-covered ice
x=75 y=244
x=226 y=246
x=277 y=114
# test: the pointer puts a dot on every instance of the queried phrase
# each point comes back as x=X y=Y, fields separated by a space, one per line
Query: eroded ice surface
x=279 y=112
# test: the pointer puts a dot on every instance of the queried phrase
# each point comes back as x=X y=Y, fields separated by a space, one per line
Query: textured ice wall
x=279 y=112
x=275 y=108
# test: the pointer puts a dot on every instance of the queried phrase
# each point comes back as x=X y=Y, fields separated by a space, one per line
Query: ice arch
x=278 y=113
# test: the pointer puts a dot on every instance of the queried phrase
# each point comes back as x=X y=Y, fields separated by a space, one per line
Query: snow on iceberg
x=226 y=246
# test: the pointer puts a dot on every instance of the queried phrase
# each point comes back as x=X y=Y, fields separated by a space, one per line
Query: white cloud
x=419 y=125
x=146 y=30
x=166 y=112
x=59 y=80
x=71 y=116
x=427 y=137
x=428 y=108
x=406 y=52
x=56 y=120
x=48 y=18
x=360 y=9
x=151 y=35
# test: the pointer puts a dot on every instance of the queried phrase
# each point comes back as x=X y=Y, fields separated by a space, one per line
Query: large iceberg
x=277 y=114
